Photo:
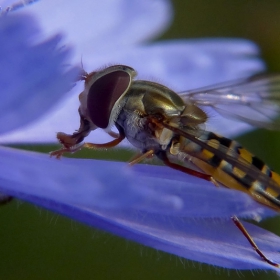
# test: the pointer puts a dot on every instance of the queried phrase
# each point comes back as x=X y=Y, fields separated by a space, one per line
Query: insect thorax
x=146 y=100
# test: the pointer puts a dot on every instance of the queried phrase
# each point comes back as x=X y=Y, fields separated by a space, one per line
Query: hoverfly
x=168 y=125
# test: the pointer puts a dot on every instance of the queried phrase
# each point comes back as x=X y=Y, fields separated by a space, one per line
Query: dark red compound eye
x=103 y=94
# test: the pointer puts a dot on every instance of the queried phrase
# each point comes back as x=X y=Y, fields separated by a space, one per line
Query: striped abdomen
x=234 y=167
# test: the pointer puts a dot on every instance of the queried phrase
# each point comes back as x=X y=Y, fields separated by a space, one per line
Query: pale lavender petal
x=179 y=64
x=33 y=73
x=168 y=210
x=103 y=25
x=188 y=64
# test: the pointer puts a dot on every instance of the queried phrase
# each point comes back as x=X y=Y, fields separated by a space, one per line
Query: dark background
x=37 y=244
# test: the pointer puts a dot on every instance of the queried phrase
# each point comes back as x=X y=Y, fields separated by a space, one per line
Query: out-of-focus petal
x=188 y=64
x=179 y=64
x=33 y=74
x=103 y=25
x=168 y=210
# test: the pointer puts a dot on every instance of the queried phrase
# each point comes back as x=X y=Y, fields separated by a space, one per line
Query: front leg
x=110 y=144
x=78 y=147
x=72 y=143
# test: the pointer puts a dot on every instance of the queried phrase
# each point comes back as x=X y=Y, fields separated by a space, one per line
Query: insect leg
x=119 y=137
x=113 y=134
x=60 y=152
x=71 y=143
x=110 y=144
x=73 y=149
x=141 y=157
x=252 y=242
x=162 y=155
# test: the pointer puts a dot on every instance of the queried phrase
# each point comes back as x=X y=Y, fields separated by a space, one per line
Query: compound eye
x=103 y=94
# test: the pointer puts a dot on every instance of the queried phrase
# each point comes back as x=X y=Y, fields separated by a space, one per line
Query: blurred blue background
x=37 y=244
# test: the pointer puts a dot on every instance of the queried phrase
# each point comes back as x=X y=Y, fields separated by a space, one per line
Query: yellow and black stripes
x=234 y=167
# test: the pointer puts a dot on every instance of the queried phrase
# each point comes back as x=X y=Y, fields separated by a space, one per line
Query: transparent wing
x=254 y=100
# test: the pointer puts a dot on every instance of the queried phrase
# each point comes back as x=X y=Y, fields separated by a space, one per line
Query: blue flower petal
x=34 y=74
x=187 y=64
x=103 y=25
x=156 y=206
x=116 y=185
